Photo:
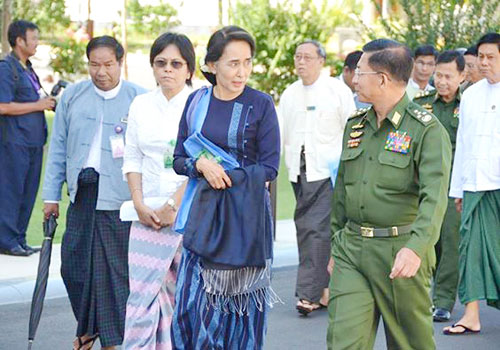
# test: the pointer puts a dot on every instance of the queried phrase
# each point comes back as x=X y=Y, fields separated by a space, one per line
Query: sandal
x=85 y=344
x=466 y=331
x=305 y=307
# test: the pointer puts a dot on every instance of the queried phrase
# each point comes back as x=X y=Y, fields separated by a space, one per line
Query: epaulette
x=359 y=112
x=420 y=113
x=425 y=93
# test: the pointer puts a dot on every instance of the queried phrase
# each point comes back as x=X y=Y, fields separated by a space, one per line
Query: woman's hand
x=214 y=173
x=166 y=214
x=148 y=217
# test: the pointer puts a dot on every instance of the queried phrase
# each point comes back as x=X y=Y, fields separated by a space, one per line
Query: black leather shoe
x=441 y=315
x=16 y=251
x=30 y=248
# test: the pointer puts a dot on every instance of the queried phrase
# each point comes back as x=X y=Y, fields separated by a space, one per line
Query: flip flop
x=305 y=308
x=467 y=330
x=86 y=344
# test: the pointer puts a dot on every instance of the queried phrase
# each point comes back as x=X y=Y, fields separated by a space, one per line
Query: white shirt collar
x=416 y=86
x=107 y=95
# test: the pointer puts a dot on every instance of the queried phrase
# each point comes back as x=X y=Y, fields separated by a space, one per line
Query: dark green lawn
x=285 y=206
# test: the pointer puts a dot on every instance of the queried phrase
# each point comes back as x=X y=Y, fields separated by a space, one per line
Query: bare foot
x=470 y=319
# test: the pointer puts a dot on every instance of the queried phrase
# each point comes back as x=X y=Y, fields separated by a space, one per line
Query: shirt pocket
x=352 y=168
x=394 y=170
x=327 y=127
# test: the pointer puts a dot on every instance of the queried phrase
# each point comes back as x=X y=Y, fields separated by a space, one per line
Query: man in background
x=23 y=132
x=423 y=68
x=444 y=103
x=473 y=75
x=313 y=112
x=350 y=63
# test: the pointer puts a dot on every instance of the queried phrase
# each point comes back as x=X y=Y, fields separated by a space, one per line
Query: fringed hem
x=231 y=291
x=239 y=304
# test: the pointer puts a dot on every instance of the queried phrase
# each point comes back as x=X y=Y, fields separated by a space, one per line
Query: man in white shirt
x=475 y=183
x=471 y=68
x=86 y=152
x=313 y=112
x=424 y=64
x=350 y=63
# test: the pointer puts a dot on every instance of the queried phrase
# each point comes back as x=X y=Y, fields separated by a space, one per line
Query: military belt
x=365 y=231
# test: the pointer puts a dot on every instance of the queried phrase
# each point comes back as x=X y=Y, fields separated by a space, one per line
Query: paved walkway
x=18 y=274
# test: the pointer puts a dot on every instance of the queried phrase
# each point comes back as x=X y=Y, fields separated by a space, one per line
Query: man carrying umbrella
x=86 y=152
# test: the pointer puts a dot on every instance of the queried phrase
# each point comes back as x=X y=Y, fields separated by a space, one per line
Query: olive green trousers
x=361 y=292
x=444 y=289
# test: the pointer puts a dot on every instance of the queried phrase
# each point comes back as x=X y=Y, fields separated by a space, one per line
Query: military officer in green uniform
x=389 y=202
x=444 y=103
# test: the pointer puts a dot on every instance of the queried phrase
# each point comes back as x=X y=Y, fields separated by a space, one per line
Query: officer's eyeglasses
x=306 y=58
x=161 y=63
x=360 y=73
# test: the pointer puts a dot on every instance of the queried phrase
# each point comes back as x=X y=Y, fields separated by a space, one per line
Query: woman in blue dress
x=224 y=306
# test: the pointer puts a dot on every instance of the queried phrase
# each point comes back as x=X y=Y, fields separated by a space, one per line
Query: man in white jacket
x=313 y=112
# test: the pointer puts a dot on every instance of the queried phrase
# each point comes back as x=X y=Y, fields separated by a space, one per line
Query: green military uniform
x=446 y=276
x=394 y=178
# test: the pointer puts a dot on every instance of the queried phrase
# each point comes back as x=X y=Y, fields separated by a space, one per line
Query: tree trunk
x=6 y=18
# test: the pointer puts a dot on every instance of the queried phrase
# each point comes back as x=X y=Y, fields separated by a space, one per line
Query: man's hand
x=214 y=173
x=406 y=264
x=46 y=103
x=148 y=217
x=331 y=264
x=458 y=204
x=50 y=209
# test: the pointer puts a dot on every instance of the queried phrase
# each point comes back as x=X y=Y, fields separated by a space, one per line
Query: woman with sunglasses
x=154 y=248
x=229 y=146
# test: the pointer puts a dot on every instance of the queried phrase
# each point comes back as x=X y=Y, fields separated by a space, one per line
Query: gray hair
x=319 y=48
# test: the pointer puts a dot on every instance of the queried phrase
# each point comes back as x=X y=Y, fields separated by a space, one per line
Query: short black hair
x=18 y=29
x=320 y=50
x=490 y=38
x=352 y=59
x=184 y=45
x=426 y=50
x=450 y=56
x=471 y=51
x=390 y=57
x=218 y=42
x=106 y=41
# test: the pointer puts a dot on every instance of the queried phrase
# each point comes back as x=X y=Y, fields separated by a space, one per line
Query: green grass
x=285 y=205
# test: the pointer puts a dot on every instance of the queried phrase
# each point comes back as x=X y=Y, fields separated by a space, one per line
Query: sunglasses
x=161 y=63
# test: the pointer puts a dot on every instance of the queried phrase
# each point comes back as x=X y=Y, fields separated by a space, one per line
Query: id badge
x=117 y=146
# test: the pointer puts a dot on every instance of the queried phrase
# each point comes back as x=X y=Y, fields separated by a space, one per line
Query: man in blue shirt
x=23 y=132
x=86 y=152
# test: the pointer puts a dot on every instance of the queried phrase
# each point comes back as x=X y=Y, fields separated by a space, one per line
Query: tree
x=152 y=19
x=6 y=9
x=277 y=30
x=444 y=24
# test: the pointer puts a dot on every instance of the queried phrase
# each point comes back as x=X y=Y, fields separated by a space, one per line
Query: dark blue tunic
x=247 y=127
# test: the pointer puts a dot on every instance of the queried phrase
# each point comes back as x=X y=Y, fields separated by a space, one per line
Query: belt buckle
x=395 y=232
x=366 y=231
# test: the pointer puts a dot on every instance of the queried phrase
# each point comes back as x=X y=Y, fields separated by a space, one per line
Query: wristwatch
x=171 y=204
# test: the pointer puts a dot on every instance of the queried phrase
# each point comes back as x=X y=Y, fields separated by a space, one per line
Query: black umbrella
x=49 y=228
